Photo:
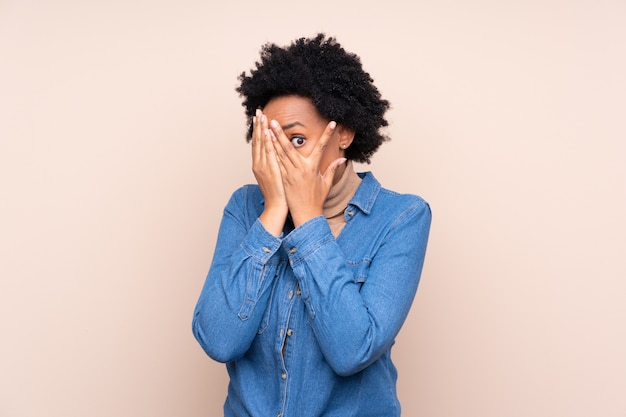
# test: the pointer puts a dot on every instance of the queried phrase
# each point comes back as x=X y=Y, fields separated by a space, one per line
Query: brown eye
x=298 y=141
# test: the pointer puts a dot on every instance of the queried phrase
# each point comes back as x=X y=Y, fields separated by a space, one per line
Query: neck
x=344 y=187
x=339 y=172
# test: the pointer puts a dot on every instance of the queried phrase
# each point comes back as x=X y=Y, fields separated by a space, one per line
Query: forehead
x=292 y=108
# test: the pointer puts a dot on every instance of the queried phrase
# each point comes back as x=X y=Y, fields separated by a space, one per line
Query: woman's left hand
x=306 y=188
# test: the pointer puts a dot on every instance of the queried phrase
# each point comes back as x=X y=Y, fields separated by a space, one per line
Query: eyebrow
x=290 y=125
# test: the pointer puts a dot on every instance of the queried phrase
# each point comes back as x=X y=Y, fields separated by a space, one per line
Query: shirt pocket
x=360 y=269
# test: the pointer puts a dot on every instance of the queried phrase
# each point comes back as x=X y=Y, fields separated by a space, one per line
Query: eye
x=298 y=141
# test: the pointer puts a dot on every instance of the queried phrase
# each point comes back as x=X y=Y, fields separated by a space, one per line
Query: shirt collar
x=367 y=192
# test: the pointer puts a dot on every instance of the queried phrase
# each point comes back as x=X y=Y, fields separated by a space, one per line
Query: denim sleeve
x=355 y=325
x=237 y=288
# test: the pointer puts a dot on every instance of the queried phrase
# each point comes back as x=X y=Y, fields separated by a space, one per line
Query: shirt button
x=289 y=332
x=290 y=294
x=350 y=213
x=299 y=292
x=293 y=250
x=283 y=375
x=266 y=249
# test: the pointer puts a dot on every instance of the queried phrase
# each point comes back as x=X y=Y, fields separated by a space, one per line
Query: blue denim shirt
x=305 y=322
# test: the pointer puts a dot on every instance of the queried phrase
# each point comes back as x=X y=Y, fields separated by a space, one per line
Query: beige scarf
x=338 y=198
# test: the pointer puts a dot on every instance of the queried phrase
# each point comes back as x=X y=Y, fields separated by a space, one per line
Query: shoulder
x=401 y=199
x=248 y=191
x=383 y=201
x=247 y=198
x=401 y=218
x=404 y=209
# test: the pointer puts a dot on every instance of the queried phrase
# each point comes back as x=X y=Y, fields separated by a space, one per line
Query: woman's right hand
x=267 y=173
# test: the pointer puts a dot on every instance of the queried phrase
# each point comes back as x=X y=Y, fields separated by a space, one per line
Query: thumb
x=330 y=171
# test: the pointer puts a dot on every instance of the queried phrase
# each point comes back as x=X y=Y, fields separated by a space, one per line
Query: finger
x=261 y=130
x=329 y=174
x=268 y=139
x=256 y=123
x=279 y=156
x=285 y=150
x=280 y=160
x=256 y=129
x=323 y=141
x=272 y=150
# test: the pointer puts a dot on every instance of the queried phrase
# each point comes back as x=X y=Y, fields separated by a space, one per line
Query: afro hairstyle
x=320 y=69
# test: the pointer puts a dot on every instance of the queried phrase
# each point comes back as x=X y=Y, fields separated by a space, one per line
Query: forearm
x=355 y=323
x=236 y=292
x=273 y=219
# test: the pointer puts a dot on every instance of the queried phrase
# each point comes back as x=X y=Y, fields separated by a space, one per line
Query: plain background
x=121 y=139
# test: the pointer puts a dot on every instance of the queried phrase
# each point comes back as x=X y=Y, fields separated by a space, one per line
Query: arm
x=236 y=292
x=355 y=325
x=237 y=289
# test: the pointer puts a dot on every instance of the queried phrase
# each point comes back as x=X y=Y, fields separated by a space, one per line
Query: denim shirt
x=305 y=322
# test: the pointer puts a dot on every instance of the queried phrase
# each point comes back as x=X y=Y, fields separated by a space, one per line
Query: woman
x=316 y=267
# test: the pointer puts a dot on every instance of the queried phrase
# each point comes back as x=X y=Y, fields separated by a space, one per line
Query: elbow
x=348 y=368
x=348 y=365
x=346 y=371
x=217 y=345
x=346 y=362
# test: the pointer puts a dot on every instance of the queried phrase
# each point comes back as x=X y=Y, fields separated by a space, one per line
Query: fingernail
x=333 y=125
x=274 y=124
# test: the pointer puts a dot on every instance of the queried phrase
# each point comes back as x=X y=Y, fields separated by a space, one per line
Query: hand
x=306 y=188
x=267 y=172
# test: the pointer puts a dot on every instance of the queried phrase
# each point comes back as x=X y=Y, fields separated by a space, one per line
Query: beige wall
x=121 y=138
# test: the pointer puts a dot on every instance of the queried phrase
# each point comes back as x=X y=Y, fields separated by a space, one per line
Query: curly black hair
x=321 y=69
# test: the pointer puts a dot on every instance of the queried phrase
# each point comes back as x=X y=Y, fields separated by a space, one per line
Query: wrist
x=304 y=216
x=273 y=219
